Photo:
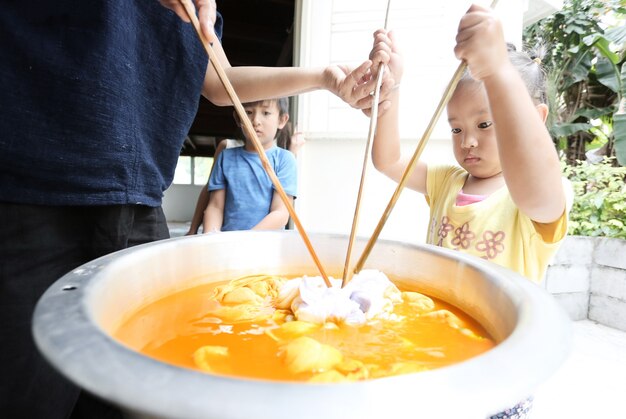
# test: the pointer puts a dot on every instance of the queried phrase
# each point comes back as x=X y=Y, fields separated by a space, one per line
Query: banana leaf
x=567 y=129
x=616 y=35
x=578 y=68
x=603 y=45
x=607 y=73
x=594 y=113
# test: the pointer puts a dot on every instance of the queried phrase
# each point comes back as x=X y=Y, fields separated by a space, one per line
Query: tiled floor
x=592 y=382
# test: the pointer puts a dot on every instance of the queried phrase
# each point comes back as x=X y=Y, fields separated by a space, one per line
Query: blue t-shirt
x=249 y=190
x=97 y=98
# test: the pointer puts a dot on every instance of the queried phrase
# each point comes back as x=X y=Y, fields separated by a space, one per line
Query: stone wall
x=588 y=278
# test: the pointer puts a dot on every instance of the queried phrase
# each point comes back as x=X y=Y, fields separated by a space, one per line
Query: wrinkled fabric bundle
x=368 y=295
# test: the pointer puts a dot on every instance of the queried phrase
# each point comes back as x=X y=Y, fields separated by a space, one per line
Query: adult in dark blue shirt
x=97 y=97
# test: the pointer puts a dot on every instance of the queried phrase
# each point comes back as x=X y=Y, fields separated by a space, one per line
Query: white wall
x=179 y=202
x=340 y=31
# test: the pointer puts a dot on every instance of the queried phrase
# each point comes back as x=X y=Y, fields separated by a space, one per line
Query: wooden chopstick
x=447 y=94
x=251 y=134
x=347 y=273
x=409 y=169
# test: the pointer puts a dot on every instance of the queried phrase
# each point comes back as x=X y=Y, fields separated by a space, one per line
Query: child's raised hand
x=480 y=42
x=385 y=51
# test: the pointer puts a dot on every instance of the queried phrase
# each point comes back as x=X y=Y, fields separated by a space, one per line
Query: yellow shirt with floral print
x=494 y=228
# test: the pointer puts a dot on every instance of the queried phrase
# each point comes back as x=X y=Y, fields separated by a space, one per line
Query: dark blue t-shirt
x=96 y=99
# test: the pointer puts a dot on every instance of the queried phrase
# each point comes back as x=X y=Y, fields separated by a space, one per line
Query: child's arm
x=530 y=164
x=203 y=197
x=386 y=154
x=277 y=217
x=214 y=214
x=198 y=213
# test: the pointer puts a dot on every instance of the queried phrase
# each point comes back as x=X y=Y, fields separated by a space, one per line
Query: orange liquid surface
x=174 y=327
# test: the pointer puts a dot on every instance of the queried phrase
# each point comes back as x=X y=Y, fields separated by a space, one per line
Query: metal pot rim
x=68 y=336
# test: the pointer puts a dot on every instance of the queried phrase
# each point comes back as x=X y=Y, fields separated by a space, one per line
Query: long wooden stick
x=251 y=134
x=447 y=94
x=347 y=273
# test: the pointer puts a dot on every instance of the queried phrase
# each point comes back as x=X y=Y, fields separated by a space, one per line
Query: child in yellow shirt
x=506 y=202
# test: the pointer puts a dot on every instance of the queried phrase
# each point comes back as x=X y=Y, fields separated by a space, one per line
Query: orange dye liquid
x=174 y=327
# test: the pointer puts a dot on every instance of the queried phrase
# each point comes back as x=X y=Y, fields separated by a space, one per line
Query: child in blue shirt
x=242 y=195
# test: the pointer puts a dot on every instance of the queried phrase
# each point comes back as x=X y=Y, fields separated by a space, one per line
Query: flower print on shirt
x=492 y=244
x=463 y=237
x=444 y=229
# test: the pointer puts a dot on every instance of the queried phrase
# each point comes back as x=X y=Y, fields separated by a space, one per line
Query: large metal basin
x=75 y=317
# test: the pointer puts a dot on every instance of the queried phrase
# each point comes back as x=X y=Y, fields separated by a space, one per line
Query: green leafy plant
x=599 y=207
x=586 y=43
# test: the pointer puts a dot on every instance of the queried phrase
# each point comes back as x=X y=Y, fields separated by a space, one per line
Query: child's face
x=266 y=121
x=473 y=133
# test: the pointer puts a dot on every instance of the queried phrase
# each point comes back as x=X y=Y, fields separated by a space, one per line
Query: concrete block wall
x=588 y=278
x=568 y=277
x=607 y=300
